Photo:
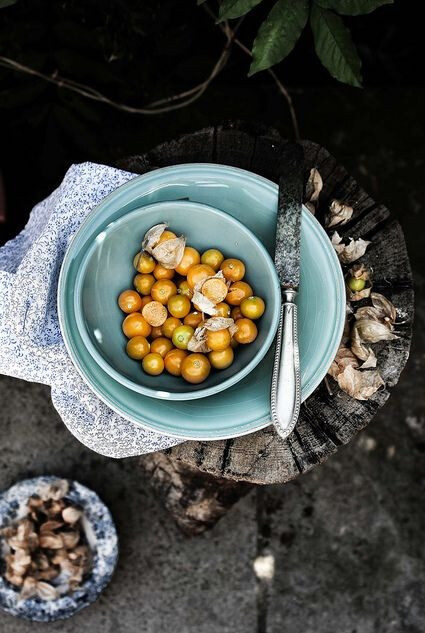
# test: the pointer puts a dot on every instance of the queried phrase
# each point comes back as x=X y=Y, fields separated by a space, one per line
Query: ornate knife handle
x=286 y=381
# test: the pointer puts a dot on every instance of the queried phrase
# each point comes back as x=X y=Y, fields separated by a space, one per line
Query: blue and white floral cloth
x=31 y=345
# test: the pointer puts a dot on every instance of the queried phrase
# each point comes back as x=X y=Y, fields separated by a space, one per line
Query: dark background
x=136 y=52
x=347 y=538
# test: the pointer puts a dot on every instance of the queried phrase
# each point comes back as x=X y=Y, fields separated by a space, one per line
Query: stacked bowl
x=214 y=206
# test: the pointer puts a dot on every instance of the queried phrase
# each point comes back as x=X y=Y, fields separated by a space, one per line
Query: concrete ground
x=346 y=539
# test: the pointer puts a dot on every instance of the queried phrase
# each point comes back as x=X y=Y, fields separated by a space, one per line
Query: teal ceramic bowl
x=107 y=270
x=251 y=199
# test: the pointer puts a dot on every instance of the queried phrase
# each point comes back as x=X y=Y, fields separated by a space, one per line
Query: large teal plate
x=245 y=407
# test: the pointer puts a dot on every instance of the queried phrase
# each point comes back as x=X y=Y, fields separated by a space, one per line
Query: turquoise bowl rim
x=206 y=391
x=129 y=191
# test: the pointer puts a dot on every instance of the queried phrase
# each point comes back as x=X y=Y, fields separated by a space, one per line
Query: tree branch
x=167 y=104
x=161 y=106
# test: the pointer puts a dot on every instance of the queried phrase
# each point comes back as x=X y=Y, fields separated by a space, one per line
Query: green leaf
x=198 y=2
x=334 y=46
x=7 y=3
x=278 y=33
x=230 y=9
x=353 y=7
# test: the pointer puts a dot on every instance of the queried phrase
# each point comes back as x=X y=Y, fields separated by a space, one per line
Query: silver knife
x=285 y=397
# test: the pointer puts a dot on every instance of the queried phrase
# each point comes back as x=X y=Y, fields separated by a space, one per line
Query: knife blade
x=285 y=396
x=288 y=223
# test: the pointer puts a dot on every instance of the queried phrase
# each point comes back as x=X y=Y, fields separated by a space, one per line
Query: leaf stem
x=280 y=86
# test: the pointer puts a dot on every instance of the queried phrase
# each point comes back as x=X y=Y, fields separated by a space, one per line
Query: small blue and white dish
x=101 y=536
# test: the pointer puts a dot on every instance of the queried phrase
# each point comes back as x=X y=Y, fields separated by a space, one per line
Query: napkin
x=31 y=344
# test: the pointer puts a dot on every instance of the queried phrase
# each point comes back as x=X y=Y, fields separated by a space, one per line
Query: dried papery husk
x=374 y=314
x=16 y=543
x=81 y=556
x=385 y=307
x=368 y=312
x=71 y=514
x=21 y=557
x=17 y=570
x=358 y=295
x=343 y=358
x=198 y=342
x=203 y=304
x=29 y=588
x=170 y=253
x=70 y=539
x=348 y=253
x=60 y=556
x=81 y=551
x=314 y=185
x=152 y=237
x=53 y=508
x=14 y=579
x=369 y=331
x=218 y=323
x=20 y=564
x=359 y=384
x=338 y=214
x=359 y=271
x=57 y=542
x=370 y=361
x=7 y=531
x=55 y=491
x=47 y=574
x=50 y=540
x=311 y=207
x=40 y=550
x=35 y=502
x=49 y=526
x=68 y=566
x=41 y=561
x=366 y=354
x=24 y=529
x=45 y=591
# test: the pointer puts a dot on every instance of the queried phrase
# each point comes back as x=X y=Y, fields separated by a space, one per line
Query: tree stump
x=327 y=420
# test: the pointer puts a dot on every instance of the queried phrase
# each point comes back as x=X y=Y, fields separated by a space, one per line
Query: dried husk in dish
x=218 y=323
x=203 y=304
x=152 y=237
x=45 y=557
x=169 y=253
x=198 y=342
